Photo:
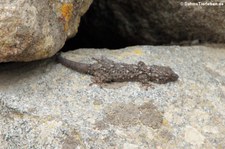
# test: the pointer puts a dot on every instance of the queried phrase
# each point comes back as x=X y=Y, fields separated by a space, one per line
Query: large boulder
x=31 y=30
x=116 y=23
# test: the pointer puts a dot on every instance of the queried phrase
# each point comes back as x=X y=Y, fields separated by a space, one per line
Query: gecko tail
x=79 y=67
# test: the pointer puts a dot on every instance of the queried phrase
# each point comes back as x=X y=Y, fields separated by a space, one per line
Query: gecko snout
x=174 y=77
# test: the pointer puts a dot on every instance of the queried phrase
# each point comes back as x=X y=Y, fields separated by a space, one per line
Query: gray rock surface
x=46 y=105
x=31 y=30
x=115 y=23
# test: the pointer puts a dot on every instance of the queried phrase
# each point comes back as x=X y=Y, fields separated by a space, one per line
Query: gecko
x=105 y=70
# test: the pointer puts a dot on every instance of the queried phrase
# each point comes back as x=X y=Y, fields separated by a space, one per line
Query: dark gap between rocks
x=102 y=36
x=85 y=38
x=104 y=26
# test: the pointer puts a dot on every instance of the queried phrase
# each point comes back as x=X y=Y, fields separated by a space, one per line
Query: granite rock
x=46 y=105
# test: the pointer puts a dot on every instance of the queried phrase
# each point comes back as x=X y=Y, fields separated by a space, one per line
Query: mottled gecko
x=106 y=71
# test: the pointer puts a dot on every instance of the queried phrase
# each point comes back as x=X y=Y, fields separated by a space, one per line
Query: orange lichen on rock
x=67 y=12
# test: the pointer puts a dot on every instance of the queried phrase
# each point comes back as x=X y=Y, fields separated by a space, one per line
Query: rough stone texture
x=31 y=30
x=46 y=105
x=117 y=23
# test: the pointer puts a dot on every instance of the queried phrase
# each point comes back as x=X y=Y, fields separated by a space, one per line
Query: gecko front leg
x=143 y=79
x=99 y=79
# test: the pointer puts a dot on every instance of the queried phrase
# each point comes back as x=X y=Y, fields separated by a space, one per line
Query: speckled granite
x=46 y=105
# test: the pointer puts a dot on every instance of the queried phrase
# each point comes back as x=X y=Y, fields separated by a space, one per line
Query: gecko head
x=162 y=74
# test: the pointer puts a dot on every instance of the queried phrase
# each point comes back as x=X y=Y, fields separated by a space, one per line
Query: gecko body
x=106 y=71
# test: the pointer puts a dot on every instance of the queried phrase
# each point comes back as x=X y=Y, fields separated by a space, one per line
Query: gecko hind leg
x=96 y=81
x=96 y=59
